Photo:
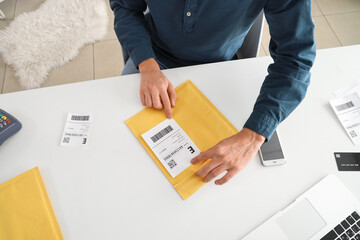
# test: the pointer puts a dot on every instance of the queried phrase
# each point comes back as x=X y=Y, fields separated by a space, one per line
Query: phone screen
x=271 y=149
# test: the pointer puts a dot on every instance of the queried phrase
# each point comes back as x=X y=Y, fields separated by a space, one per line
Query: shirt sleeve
x=131 y=30
x=292 y=47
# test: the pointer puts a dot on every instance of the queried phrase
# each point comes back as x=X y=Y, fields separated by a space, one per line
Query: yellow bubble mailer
x=25 y=209
x=202 y=122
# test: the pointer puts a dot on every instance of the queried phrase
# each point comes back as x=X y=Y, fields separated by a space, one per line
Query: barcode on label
x=353 y=134
x=172 y=164
x=344 y=106
x=162 y=133
x=80 y=118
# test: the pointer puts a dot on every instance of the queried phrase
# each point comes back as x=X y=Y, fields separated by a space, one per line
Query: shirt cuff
x=139 y=55
x=262 y=123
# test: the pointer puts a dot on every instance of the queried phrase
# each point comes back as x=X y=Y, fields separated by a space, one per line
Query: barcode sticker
x=171 y=145
x=344 y=106
x=80 y=118
x=162 y=133
x=76 y=131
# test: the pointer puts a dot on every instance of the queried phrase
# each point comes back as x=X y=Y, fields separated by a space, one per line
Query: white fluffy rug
x=36 y=42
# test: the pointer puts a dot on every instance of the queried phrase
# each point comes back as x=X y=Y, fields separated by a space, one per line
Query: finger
x=166 y=102
x=172 y=94
x=142 y=97
x=214 y=173
x=205 y=170
x=156 y=100
x=148 y=100
x=202 y=156
x=230 y=174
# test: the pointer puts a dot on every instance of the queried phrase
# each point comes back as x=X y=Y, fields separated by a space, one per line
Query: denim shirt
x=188 y=32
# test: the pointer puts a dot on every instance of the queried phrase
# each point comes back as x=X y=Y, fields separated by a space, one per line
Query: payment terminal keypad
x=9 y=125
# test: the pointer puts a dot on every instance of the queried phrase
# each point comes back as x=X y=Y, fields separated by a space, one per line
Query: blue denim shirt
x=187 y=32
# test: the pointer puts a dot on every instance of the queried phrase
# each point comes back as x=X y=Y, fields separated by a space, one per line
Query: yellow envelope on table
x=201 y=121
x=25 y=209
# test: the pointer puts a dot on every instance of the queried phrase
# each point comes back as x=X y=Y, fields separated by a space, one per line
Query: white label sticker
x=76 y=131
x=172 y=146
x=347 y=109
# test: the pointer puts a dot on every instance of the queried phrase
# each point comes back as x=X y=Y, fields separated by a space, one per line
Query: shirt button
x=188 y=14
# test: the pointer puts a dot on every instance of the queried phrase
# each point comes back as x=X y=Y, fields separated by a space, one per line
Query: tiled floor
x=337 y=23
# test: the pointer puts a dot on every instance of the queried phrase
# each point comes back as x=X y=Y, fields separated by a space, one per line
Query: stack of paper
x=346 y=105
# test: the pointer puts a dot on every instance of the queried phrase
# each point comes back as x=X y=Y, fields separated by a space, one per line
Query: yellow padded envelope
x=202 y=122
x=25 y=209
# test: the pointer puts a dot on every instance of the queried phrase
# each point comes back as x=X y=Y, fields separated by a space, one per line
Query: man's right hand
x=155 y=89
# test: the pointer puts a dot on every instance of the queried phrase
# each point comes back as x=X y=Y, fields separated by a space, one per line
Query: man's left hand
x=231 y=154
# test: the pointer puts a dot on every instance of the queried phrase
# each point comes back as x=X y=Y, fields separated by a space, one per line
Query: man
x=187 y=32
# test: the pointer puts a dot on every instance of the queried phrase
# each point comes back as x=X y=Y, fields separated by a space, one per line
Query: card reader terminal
x=9 y=125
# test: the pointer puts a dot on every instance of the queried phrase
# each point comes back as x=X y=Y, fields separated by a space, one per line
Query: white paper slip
x=172 y=146
x=76 y=131
x=347 y=109
x=347 y=90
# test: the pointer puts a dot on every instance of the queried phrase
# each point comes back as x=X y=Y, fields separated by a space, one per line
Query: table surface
x=113 y=190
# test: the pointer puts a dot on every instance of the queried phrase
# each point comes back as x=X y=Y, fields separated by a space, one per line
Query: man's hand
x=155 y=89
x=231 y=155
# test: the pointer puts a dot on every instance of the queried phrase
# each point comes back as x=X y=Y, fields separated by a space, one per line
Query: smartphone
x=271 y=153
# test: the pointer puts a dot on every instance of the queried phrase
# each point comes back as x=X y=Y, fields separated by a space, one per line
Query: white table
x=114 y=190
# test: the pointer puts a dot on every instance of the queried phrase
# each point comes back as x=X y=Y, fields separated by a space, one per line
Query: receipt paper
x=76 y=131
x=347 y=109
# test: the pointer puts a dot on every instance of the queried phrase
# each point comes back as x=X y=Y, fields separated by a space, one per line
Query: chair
x=251 y=45
x=252 y=42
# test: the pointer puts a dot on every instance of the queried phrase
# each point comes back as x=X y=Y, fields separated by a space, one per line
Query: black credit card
x=347 y=161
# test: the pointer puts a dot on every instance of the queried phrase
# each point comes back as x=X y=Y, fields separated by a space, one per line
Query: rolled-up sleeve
x=131 y=30
x=292 y=47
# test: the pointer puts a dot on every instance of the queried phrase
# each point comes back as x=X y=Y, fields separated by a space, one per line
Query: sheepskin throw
x=38 y=41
